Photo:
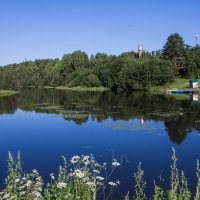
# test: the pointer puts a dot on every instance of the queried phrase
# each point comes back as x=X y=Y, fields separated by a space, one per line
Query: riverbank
x=76 y=89
x=179 y=83
x=83 y=89
x=4 y=93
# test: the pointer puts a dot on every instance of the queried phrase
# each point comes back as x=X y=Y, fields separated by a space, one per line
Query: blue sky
x=34 y=29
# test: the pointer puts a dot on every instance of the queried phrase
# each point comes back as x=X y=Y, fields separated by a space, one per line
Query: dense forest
x=116 y=72
x=123 y=72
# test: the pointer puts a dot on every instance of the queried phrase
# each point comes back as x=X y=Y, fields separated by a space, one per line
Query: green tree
x=174 y=50
x=192 y=68
x=73 y=62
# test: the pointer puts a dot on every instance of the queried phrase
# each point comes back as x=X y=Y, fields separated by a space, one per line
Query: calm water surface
x=45 y=124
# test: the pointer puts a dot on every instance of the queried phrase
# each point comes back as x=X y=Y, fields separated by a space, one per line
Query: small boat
x=179 y=91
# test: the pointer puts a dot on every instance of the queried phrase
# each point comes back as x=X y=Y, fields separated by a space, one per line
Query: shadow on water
x=180 y=117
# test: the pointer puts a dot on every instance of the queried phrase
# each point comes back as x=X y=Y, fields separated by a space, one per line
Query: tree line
x=123 y=72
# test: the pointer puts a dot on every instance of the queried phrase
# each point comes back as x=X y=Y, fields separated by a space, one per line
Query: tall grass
x=81 y=178
x=140 y=184
x=85 y=179
x=178 y=189
x=197 y=195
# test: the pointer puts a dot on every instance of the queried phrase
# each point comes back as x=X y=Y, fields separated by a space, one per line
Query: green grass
x=4 y=93
x=83 y=89
x=48 y=87
x=179 y=83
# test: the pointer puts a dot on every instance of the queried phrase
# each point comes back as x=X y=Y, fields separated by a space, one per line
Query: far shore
x=78 y=88
x=4 y=93
x=179 y=83
x=84 y=89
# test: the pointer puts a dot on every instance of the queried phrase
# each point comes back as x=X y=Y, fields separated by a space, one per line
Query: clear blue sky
x=49 y=28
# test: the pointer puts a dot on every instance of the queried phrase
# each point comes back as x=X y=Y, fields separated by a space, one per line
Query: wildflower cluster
x=81 y=178
x=85 y=179
x=21 y=186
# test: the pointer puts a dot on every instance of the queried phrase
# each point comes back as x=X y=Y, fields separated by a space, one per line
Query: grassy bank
x=4 y=93
x=179 y=83
x=83 y=178
x=78 y=88
x=48 y=87
x=84 y=89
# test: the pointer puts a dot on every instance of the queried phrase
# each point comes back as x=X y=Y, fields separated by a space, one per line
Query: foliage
x=179 y=186
x=82 y=179
x=158 y=193
x=197 y=194
x=145 y=73
x=127 y=197
x=123 y=72
x=21 y=186
x=174 y=50
x=140 y=184
x=173 y=192
x=192 y=66
x=186 y=58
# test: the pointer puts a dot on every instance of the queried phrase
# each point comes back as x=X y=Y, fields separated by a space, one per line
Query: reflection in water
x=141 y=121
x=180 y=117
x=104 y=124
x=195 y=98
x=132 y=126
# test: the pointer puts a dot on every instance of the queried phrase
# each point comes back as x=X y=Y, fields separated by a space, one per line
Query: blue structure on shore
x=180 y=91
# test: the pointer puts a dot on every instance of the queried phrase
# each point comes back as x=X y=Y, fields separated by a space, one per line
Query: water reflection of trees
x=8 y=105
x=179 y=117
